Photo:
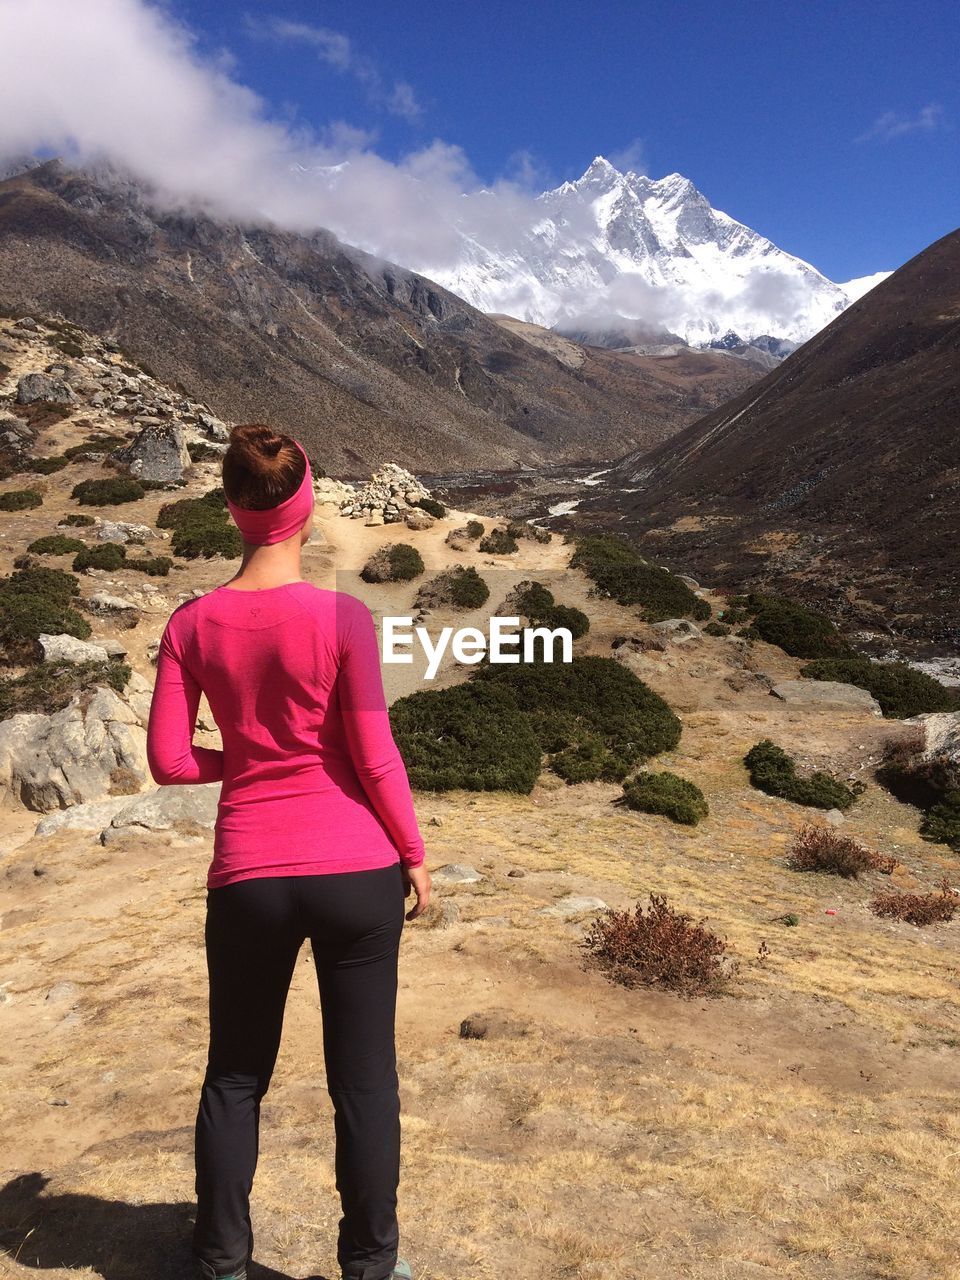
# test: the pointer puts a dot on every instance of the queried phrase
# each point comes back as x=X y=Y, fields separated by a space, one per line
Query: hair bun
x=253 y=442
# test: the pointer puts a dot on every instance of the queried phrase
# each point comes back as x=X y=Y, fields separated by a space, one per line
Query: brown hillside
x=837 y=474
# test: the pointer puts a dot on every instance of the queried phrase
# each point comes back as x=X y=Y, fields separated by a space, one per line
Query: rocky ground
x=803 y=1125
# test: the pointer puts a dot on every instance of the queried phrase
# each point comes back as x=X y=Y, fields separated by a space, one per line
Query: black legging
x=254 y=931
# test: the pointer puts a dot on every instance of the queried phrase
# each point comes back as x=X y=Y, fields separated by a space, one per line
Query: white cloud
x=632 y=158
x=337 y=51
x=891 y=125
x=123 y=82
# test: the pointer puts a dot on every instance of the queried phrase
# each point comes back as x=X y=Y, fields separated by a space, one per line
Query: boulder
x=64 y=648
x=941 y=734
x=456 y=873
x=94 y=815
x=55 y=761
x=678 y=630
x=181 y=808
x=157 y=452
x=213 y=427
x=814 y=693
x=102 y=602
x=417 y=520
x=121 y=530
x=42 y=388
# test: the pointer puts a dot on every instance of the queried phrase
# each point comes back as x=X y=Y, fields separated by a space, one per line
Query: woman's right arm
x=366 y=719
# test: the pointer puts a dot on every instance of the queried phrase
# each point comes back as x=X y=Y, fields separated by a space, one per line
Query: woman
x=316 y=837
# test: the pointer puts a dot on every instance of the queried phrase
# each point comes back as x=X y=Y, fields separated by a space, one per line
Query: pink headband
x=278 y=522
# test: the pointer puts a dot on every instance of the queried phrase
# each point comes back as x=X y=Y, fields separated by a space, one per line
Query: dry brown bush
x=918 y=908
x=664 y=948
x=821 y=849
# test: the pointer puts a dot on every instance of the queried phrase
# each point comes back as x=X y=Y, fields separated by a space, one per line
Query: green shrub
x=912 y=777
x=108 y=492
x=20 y=499
x=594 y=717
x=773 y=771
x=458 y=588
x=155 y=566
x=535 y=602
x=55 y=544
x=716 y=629
x=620 y=572
x=49 y=686
x=794 y=628
x=901 y=691
x=107 y=555
x=44 y=466
x=201 y=527
x=942 y=822
x=498 y=543
x=396 y=562
x=432 y=506
x=471 y=735
x=77 y=520
x=667 y=794
x=35 y=601
x=193 y=540
x=733 y=615
x=95 y=442
x=474 y=529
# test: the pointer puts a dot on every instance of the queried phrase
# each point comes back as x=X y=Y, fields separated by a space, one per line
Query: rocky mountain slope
x=621 y=245
x=361 y=359
x=839 y=472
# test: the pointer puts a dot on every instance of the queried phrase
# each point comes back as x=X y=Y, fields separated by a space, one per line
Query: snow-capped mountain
x=622 y=245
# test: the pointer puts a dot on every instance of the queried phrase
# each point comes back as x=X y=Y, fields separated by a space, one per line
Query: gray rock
x=418 y=520
x=941 y=734
x=64 y=648
x=94 y=815
x=156 y=453
x=678 y=630
x=103 y=603
x=69 y=757
x=121 y=530
x=63 y=991
x=166 y=809
x=572 y=905
x=213 y=427
x=40 y=387
x=815 y=693
x=834 y=817
x=456 y=873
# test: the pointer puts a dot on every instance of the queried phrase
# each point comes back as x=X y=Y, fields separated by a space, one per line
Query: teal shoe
x=401 y=1271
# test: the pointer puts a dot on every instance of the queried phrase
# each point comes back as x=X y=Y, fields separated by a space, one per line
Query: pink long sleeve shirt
x=312 y=779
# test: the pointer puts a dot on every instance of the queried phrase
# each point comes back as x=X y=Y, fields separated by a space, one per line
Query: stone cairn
x=386 y=498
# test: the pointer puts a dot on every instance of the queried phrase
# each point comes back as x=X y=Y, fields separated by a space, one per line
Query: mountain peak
x=600 y=167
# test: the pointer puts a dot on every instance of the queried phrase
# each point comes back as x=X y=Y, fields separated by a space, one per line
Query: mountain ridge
x=623 y=246
x=368 y=359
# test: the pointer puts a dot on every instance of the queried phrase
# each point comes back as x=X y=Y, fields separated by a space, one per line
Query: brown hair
x=261 y=467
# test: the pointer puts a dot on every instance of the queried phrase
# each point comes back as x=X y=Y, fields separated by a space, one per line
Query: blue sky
x=831 y=128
